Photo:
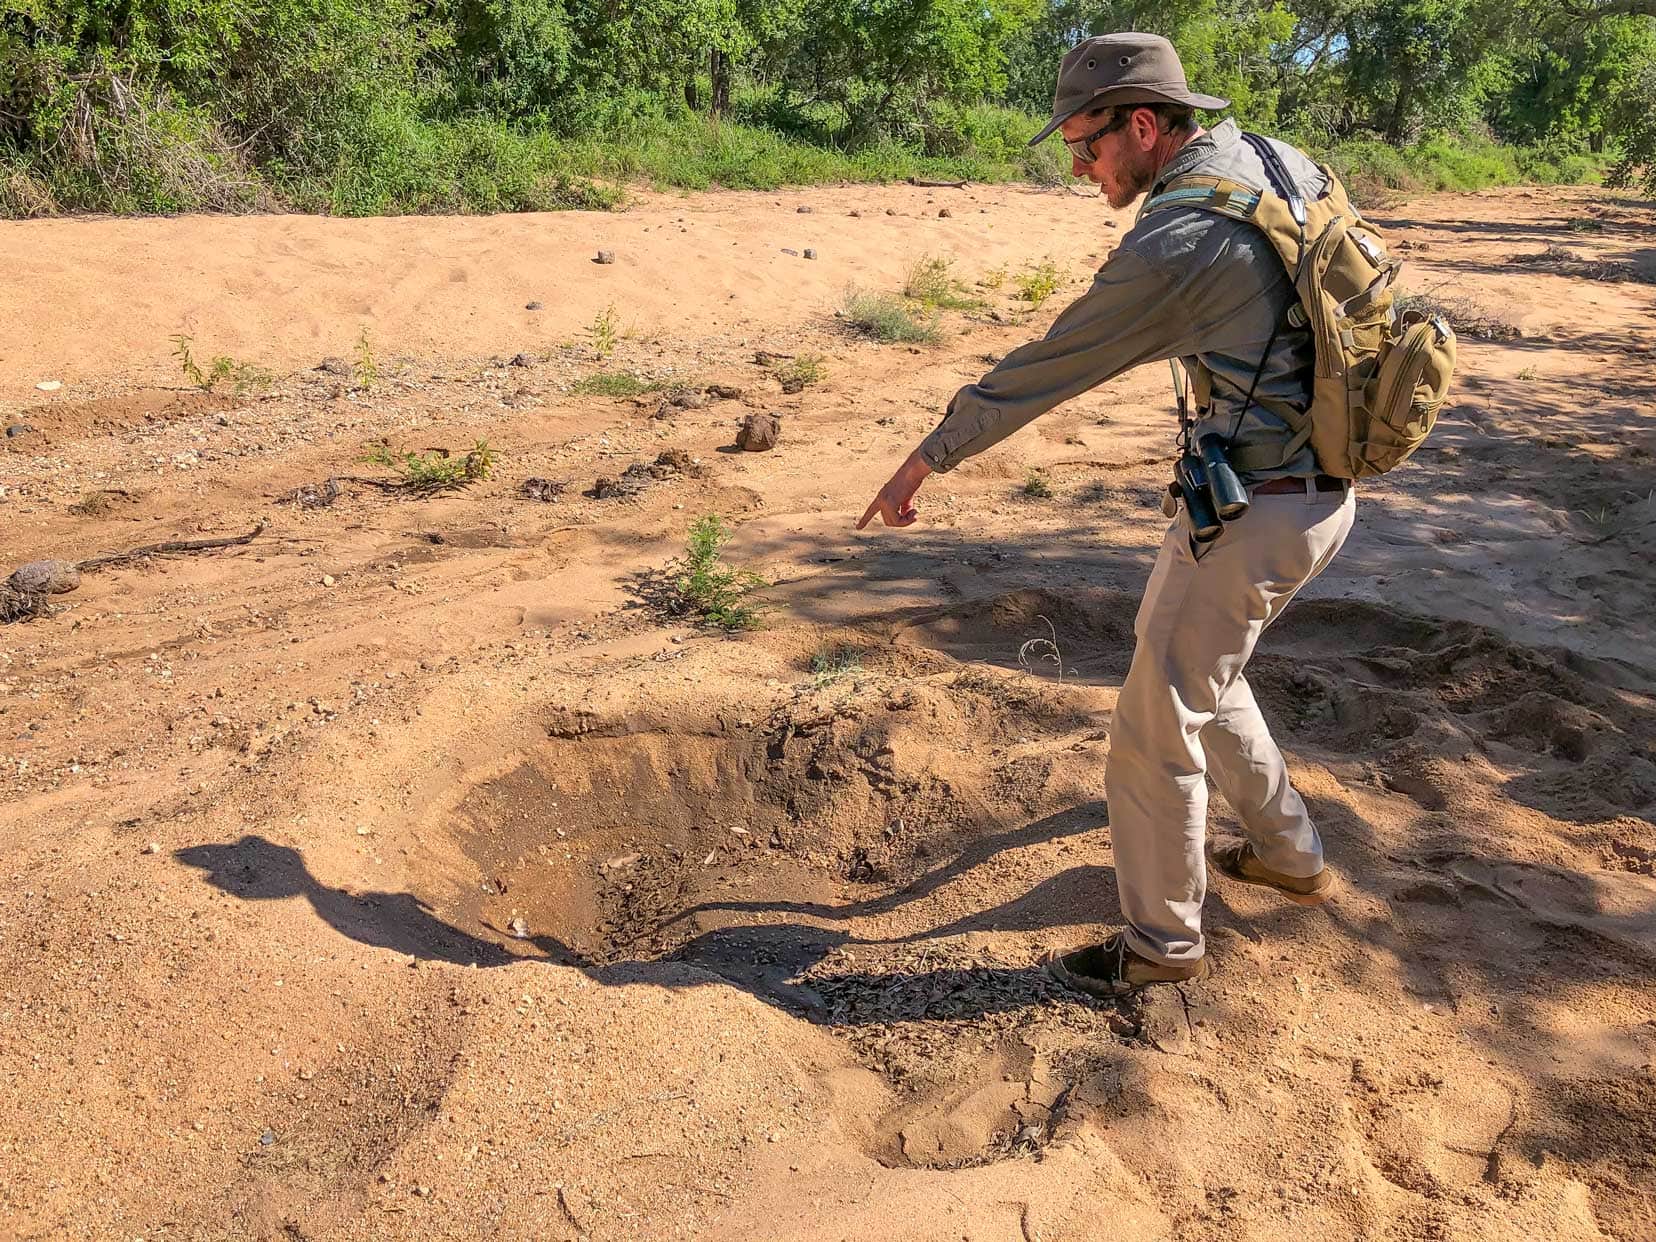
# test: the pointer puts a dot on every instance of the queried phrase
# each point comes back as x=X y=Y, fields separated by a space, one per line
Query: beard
x=1131 y=179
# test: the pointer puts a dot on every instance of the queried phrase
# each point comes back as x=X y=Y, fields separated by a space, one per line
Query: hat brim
x=1115 y=95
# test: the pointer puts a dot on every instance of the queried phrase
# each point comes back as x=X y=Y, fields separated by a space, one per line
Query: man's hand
x=895 y=502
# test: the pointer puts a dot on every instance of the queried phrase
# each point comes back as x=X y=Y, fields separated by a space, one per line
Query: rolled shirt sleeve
x=1132 y=314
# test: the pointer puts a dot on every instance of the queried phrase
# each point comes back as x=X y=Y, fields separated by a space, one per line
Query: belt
x=1296 y=485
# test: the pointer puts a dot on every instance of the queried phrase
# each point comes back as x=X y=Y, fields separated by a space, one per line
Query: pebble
x=154 y=847
x=809 y=253
x=531 y=306
x=943 y=213
x=327 y=580
x=518 y=928
x=49 y=385
x=18 y=429
x=521 y=360
x=605 y=256
x=804 y=211
x=795 y=253
x=267 y=1138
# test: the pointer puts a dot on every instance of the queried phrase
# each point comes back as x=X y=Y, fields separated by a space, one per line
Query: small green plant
x=436 y=470
x=833 y=664
x=711 y=590
x=1037 y=486
x=932 y=284
x=800 y=373
x=1038 y=283
x=1528 y=374
x=619 y=384
x=605 y=330
x=367 y=369
x=887 y=317
x=994 y=278
x=244 y=375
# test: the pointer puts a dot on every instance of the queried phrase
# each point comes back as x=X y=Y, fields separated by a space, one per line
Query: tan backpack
x=1380 y=377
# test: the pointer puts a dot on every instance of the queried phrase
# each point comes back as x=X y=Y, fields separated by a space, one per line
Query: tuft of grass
x=800 y=373
x=618 y=384
x=605 y=330
x=994 y=278
x=435 y=470
x=709 y=589
x=887 y=317
x=833 y=664
x=1038 y=283
x=1528 y=374
x=932 y=283
x=1037 y=486
x=1466 y=316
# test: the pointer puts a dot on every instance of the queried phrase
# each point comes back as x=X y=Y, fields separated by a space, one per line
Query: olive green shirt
x=1183 y=283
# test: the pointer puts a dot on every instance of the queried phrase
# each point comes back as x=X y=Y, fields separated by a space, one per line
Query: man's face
x=1124 y=167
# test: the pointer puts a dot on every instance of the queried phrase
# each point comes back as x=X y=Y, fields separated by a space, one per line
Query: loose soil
x=408 y=872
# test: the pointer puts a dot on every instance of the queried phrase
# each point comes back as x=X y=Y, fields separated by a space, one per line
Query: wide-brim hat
x=1114 y=69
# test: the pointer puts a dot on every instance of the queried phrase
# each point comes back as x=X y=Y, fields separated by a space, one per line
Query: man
x=1209 y=289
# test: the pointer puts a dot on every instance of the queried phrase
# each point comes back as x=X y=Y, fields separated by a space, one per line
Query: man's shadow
x=259 y=870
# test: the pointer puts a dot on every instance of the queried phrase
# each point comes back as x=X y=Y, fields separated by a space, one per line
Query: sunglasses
x=1082 y=148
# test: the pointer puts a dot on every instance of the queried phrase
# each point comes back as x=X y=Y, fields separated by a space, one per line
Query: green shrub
x=433 y=471
x=932 y=283
x=1038 y=283
x=889 y=318
x=711 y=590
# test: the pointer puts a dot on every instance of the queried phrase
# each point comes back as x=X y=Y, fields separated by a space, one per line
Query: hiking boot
x=1112 y=969
x=1235 y=857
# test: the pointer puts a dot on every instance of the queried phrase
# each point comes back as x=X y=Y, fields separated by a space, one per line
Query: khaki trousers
x=1186 y=711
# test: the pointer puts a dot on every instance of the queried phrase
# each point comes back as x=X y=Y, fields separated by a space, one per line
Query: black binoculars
x=1211 y=492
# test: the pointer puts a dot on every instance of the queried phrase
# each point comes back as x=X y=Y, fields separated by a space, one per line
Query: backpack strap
x=1228 y=198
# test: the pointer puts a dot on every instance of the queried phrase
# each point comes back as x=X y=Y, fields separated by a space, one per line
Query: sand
x=406 y=872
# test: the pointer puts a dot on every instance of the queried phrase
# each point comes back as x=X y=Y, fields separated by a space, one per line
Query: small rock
x=856 y=215
x=49 y=385
x=809 y=253
x=521 y=360
x=18 y=429
x=518 y=928
x=531 y=306
x=943 y=213
x=804 y=211
x=605 y=256
x=335 y=366
x=327 y=580
x=267 y=1138
x=724 y=392
x=44 y=578
x=758 y=433
x=689 y=400
x=154 y=847
x=891 y=211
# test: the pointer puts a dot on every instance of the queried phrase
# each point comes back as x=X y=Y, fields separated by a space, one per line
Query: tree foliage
x=161 y=104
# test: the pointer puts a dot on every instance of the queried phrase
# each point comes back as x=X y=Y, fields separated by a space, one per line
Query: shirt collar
x=1222 y=135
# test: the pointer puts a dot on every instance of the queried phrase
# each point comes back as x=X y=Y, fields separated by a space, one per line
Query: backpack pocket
x=1409 y=390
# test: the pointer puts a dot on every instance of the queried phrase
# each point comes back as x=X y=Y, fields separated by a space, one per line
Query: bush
x=708 y=588
x=887 y=317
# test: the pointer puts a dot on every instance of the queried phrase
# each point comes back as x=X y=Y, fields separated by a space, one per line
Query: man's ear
x=1145 y=129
